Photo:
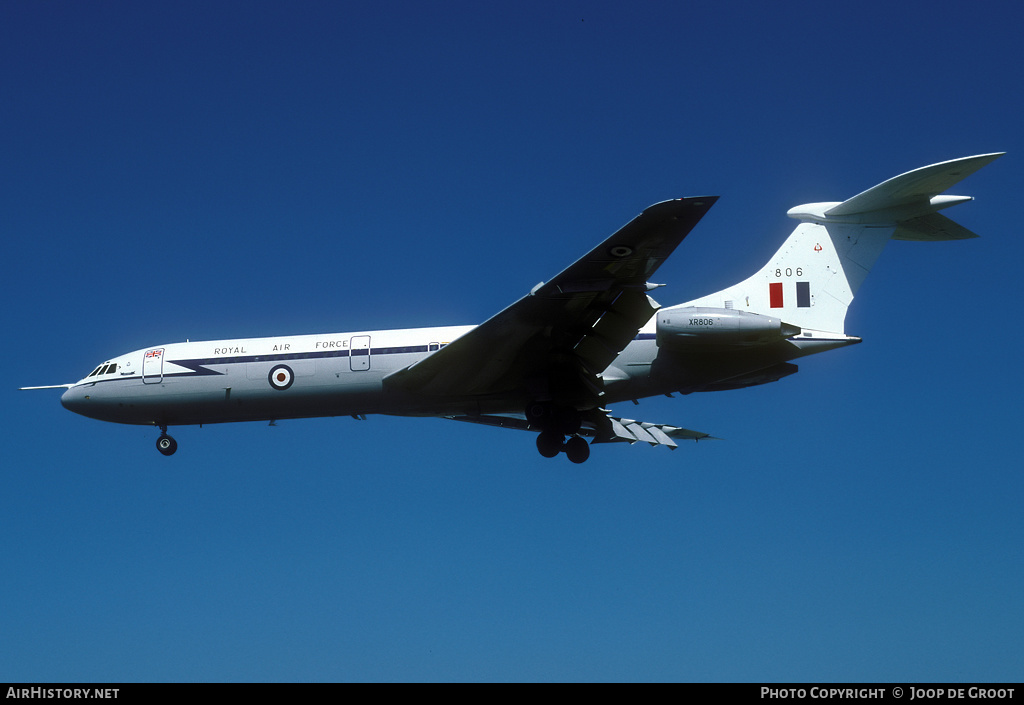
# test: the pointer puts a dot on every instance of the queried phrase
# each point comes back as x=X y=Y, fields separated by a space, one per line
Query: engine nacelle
x=718 y=327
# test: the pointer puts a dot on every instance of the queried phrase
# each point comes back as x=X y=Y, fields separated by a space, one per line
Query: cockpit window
x=96 y=371
x=113 y=368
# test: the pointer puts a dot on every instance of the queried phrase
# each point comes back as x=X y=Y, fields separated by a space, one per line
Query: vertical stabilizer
x=812 y=279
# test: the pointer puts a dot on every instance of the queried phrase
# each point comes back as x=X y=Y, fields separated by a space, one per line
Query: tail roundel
x=812 y=279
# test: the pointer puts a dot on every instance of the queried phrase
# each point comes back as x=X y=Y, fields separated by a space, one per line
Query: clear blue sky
x=235 y=169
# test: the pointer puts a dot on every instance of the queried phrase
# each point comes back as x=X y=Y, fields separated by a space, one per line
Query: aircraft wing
x=603 y=428
x=570 y=328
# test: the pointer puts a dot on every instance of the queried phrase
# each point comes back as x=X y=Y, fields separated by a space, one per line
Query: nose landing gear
x=165 y=444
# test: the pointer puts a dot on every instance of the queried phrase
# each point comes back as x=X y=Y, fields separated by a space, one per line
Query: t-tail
x=811 y=281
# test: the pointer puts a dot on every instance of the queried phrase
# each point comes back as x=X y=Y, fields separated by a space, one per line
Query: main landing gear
x=557 y=422
x=551 y=443
x=165 y=444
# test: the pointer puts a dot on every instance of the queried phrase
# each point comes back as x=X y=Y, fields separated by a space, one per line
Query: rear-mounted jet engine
x=719 y=327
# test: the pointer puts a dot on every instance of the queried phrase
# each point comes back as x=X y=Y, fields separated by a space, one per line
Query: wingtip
x=699 y=201
x=985 y=159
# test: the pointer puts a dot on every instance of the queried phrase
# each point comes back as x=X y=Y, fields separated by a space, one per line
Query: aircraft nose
x=73 y=400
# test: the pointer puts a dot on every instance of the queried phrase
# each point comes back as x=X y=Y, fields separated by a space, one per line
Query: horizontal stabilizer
x=914 y=187
x=931 y=228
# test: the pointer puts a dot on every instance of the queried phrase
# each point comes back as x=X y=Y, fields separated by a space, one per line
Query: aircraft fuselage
x=255 y=378
x=342 y=374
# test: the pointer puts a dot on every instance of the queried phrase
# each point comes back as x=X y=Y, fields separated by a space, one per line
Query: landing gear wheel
x=549 y=444
x=166 y=445
x=577 y=449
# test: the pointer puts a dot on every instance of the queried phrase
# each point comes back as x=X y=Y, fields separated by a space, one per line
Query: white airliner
x=555 y=359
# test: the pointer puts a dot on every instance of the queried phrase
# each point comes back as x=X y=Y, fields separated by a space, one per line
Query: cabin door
x=153 y=366
x=359 y=353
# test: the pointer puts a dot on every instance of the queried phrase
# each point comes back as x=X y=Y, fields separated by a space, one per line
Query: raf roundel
x=619 y=251
x=281 y=377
